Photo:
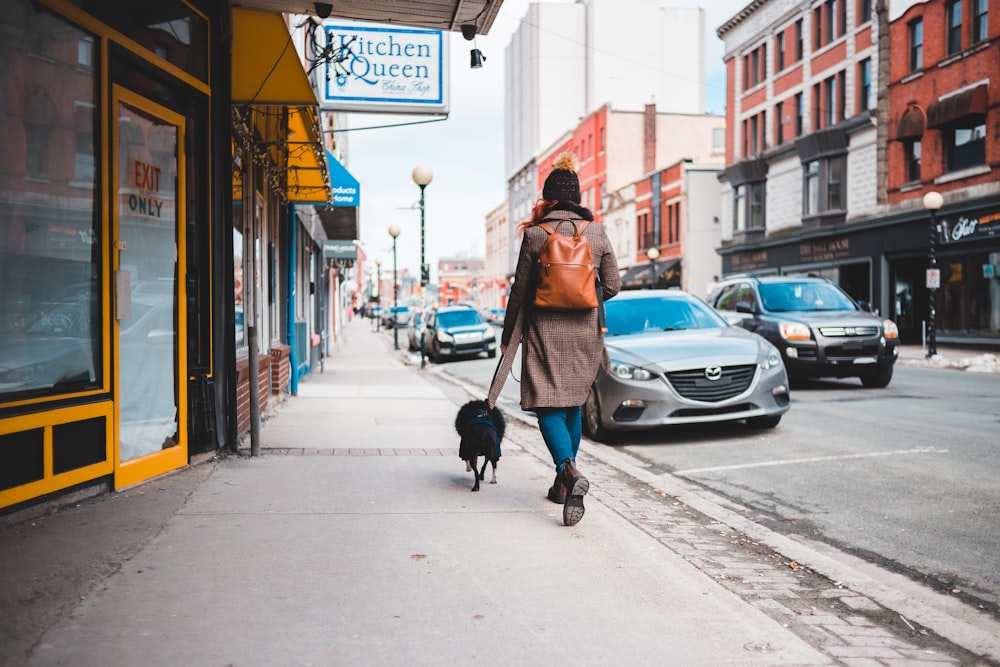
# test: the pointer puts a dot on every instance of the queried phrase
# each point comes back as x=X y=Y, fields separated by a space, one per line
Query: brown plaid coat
x=562 y=350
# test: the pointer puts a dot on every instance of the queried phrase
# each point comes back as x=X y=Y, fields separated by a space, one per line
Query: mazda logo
x=713 y=372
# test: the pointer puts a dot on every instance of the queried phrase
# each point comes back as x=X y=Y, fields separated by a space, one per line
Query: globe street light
x=422 y=176
x=932 y=202
x=394 y=232
x=653 y=254
x=378 y=286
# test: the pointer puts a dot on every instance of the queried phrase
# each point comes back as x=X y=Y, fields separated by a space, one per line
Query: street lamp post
x=422 y=176
x=394 y=232
x=653 y=254
x=378 y=284
x=932 y=202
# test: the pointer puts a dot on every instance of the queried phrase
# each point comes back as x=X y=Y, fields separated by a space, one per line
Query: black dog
x=481 y=428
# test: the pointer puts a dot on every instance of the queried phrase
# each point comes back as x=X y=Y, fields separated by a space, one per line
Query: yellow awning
x=266 y=69
x=308 y=177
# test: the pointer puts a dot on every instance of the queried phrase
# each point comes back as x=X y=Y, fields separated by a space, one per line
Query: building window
x=817 y=107
x=830 y=102
x=916 y=45
x=842 y=95
x=779 y=52
x=864 y=84
x=718 y=139
x=51 y=272
x=799 y=46
x=954 y=27
x=754 y=135
x=965 y=144
x=755 y=67
x=779 y=124
x=911 y=150
x=799 y=113
x=823 y=185
x=811 y=188
x=864 y=11
x=748 y=200
x=980 y=25
x=817 y=28
x=830 y=20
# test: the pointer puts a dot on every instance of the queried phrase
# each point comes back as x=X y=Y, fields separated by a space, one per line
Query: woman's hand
x=503 y=349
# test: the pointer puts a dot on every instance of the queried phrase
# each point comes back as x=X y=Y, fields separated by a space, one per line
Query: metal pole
x=932 y=292
x=395 y=299
x=424 y=272
x=378 y=283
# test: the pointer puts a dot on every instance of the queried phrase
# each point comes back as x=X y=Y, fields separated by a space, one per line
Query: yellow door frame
x=171 y=458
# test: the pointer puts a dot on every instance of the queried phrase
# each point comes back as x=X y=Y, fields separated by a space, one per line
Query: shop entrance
x=909 y=299
x=149 y=355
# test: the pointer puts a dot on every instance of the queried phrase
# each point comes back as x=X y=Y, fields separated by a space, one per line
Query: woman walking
x=563 y=349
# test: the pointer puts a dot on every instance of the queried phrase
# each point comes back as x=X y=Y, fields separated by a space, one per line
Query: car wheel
x=591 y=417
x=769 y=421
x=879 y=378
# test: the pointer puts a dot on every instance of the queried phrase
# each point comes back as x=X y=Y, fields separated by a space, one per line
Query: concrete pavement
x=355 y=540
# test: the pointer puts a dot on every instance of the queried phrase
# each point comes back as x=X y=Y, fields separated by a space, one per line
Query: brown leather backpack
x=566 y=277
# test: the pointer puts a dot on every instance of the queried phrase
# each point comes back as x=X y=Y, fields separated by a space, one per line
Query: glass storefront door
x=150 y=356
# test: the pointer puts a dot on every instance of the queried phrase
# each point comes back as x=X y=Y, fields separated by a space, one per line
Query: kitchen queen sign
x=384 y=69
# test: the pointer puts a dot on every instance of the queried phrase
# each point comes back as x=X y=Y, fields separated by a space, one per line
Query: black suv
x=820 y=330
x=454 y=331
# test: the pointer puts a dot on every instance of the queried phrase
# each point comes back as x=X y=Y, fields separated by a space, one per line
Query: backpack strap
x=578 y=225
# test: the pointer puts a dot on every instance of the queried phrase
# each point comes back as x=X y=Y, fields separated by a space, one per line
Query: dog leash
x=506 y=362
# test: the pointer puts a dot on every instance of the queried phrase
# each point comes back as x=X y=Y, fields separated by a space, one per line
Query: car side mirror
x=744 y=307
x=865 y=306
x=734 y=319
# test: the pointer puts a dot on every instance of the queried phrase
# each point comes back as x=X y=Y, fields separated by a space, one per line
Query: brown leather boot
x=576 y=488
x=557 y=492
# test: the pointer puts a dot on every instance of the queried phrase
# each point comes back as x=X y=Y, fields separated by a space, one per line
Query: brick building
x=832 y=143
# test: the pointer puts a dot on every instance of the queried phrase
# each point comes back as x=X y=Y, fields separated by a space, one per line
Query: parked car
x=819 y=329
x=396 y=316
x=675 y=360
x=457 y=331
x=495 y=315
x=416 y=330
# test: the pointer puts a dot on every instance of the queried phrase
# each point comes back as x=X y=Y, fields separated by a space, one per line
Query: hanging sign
x=384 y=69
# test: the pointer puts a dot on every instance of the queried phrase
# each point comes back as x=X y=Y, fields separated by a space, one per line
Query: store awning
x=653 y=274
x=308 y=174
x=266 y=69
x=911 y=125
x=346 y=189
x=972 y=102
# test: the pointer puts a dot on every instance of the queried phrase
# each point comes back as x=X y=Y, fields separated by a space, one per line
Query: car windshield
x=632 y=316
x=459 y=318
x=803 y=296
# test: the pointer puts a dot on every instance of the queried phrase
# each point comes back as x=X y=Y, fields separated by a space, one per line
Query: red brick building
x=944 y=116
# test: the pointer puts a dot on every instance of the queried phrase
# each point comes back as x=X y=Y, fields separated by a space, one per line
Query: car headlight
x=629 y=372
x=488 y=334
x=890 y=329
x=794 y=331
x=445 y=337
x=772 y=360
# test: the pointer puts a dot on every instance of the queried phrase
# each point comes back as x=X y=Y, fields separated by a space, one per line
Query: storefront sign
x=750 y=261
x=385 y=69
x=824 y=251
x=970 y=227
x=340 y=250
x=346 y=189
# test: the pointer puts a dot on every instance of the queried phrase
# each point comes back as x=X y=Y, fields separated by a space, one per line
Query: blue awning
x=346 y=189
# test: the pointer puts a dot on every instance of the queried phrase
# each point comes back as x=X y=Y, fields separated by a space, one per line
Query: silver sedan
x=674 y=360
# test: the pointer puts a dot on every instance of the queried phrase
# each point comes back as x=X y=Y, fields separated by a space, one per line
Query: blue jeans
x=561 y=429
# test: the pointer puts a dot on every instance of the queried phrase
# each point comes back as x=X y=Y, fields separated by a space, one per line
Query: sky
x=465 y=152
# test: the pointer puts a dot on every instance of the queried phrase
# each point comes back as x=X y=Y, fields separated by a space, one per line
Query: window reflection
x=50 y=323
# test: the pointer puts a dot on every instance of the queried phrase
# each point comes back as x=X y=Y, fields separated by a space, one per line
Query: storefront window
x=167 y=28
x=50 y=249
x=969 y=298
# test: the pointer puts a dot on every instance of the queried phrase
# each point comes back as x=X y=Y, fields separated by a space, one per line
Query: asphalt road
x=905 y=477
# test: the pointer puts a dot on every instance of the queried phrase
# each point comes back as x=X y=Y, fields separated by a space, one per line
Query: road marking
x=812 y=459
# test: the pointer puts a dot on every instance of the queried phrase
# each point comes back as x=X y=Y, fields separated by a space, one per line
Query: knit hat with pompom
x=562 y=184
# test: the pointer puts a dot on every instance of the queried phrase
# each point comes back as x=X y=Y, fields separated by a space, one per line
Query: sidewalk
x=354 y=540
